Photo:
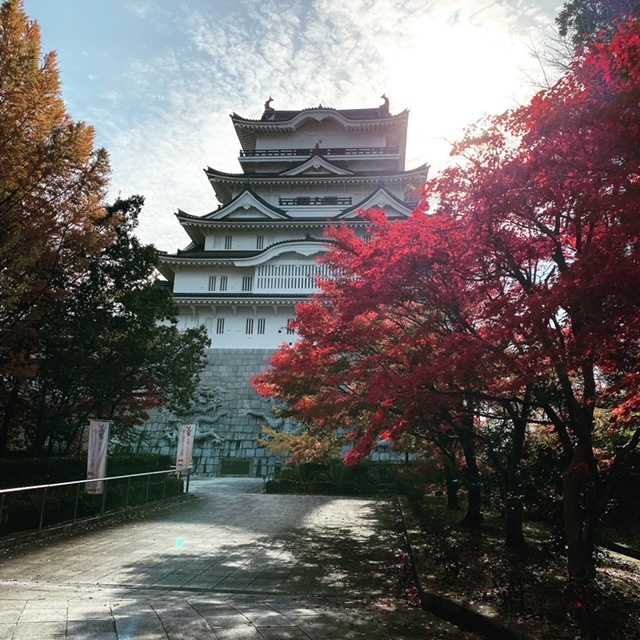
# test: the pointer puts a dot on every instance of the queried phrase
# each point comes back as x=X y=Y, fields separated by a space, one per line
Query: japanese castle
x=254 y=257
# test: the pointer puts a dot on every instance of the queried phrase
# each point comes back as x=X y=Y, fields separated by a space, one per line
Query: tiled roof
x=351 y=114
x=276 y=115
x=241 y=295
x=198 y=252
x=211 y=172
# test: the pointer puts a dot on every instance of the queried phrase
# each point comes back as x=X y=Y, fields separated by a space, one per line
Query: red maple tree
x=519 y=290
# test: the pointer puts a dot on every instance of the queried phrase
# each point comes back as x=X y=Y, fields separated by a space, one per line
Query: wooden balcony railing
x=328 y=151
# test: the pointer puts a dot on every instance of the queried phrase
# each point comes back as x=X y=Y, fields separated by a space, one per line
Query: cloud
x=450 y=63
x=139 y=8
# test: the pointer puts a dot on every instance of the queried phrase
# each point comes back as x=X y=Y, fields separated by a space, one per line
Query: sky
x=159 y=78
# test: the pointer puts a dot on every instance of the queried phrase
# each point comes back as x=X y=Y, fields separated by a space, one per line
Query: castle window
x=224 y=280
x=261 y=325
x=290 y=329
x=228 y=240
x=249 y=326
x=220 y=325
x=247 y=283
x=260 y=243
x=212 y=283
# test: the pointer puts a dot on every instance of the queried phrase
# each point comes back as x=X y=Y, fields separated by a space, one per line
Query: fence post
x=126 y=500
x=104 y=497
x=75 y=505
x=42 y=504
x=146 y=495
x=2 y=497
x=188 y=479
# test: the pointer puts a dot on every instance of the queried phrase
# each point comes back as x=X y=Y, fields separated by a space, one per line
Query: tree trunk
x=39 y=436
x=578 y=497
x=9 y=415
x=579 y=504
x=452 y=484
x=513 y=533
x=513 y=507
x=473 y=517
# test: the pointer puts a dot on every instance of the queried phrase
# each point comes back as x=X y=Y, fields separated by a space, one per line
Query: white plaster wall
x=192 y=279
x=272 y=193
x=235 y=336
x=353 y=163
x=329 y=132
x=247 y=240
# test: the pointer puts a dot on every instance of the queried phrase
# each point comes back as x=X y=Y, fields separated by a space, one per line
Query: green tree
x=52 y=189
x=113 y=350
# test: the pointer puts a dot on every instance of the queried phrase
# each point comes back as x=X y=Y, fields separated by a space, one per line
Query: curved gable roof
x=379 y=198
x=246 y=200
x=283 y=121
x=307 y=247
x=316 y=162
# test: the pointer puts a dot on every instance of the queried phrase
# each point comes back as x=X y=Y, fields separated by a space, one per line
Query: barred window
x=290 y=329
x=249 y=326
x=220 y=325
x=247 y=283
x=228 y=240
x=212 y=283
x=224 y=280
x=260 y=243
x=261 y=325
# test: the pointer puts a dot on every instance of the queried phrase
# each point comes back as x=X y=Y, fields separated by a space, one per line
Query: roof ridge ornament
x=385 y=105
x=269 y=111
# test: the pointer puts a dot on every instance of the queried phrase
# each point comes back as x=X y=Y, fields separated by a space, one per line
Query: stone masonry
x=230 y=416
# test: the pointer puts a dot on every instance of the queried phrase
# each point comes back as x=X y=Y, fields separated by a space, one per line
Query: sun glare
x=450 y=73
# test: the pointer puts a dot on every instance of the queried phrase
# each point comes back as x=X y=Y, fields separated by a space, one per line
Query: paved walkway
x=229 y=564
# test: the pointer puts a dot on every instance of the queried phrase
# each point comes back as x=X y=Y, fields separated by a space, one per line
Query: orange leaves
x=52 y=189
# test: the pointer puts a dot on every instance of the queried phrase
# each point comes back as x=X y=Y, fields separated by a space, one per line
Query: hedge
x=21 y=511
x=23 y=472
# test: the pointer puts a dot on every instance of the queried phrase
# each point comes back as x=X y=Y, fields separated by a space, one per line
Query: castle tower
x=254 y=257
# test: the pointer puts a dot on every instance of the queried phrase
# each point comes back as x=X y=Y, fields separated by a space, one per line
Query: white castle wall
x=247 y=240
x=235 y=325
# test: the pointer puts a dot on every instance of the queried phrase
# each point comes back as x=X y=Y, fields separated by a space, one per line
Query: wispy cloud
x=449 y=63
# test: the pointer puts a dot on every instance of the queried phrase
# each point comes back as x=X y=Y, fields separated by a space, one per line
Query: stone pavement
x=230 y=564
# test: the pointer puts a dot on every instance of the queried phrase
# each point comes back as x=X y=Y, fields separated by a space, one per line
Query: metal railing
x=327 y=151
x=55 y=506
x=301 y=201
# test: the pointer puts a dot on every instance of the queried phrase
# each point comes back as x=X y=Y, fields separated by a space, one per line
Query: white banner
x=97 y=454
x=184 y=457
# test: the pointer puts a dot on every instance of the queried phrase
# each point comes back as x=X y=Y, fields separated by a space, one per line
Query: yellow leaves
x=308 y=446
x=278 y=442
x=53 y=183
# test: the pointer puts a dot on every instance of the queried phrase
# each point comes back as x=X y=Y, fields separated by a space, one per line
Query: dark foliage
x=582 y=20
